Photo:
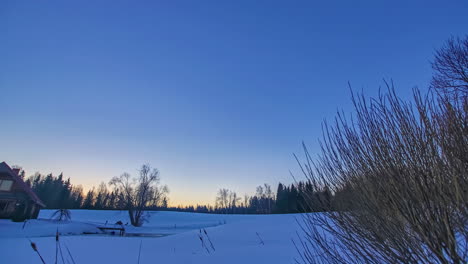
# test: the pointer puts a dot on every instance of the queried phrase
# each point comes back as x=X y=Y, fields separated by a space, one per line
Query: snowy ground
x=235 y=239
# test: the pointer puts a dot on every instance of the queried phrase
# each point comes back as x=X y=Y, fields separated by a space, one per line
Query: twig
x=69 y=253
x=34 y=247
x=139 y=252
x=61 y=253
x=24 y=224
x=261 y=240
x=56 y=245
x=203 y=244
x=209 y=239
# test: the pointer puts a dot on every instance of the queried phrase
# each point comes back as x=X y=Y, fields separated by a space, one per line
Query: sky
x=215 y=94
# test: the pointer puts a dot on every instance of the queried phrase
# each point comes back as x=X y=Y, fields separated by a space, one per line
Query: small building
x=17 y=200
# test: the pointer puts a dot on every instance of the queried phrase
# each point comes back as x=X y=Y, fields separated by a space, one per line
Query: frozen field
x=234 y=239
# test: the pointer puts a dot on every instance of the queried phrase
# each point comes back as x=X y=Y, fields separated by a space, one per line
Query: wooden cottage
x=17 y=200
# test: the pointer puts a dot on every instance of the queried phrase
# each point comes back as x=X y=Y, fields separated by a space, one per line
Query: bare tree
x=160 y=198
x=233 y=200
x=259 y=191
x=451 y=66
x=246 y=200
x=227 y=200
x=222 y=199
x=260 y=195
x=101 y=196
x=246 y=203
x=265 y=198
x=269 y=196
x=139 y=192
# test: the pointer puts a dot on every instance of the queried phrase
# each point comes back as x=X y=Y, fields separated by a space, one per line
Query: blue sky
x=216 y=94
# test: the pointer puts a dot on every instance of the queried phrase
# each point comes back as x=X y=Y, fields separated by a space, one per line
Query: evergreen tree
x=89 y=200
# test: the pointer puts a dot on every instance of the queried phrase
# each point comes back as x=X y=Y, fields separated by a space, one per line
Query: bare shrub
x=398 y=172
x=61 y=215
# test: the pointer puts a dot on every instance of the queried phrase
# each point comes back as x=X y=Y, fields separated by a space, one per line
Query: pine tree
x=89 y=200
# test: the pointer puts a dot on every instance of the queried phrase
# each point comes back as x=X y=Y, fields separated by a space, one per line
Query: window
x=5 y=185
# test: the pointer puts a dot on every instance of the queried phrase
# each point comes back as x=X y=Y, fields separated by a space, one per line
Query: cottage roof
x=4 y=168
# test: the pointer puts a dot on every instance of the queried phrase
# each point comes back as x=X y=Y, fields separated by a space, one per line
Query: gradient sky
x=216 y=94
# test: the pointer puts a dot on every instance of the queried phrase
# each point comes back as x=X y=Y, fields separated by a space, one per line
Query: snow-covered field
x=234 y=239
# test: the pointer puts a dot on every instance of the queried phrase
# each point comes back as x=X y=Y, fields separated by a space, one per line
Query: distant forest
x=59 y=193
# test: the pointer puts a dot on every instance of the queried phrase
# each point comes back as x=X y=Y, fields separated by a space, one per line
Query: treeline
x=288 y=199
x=292 y=198
x=57 y=192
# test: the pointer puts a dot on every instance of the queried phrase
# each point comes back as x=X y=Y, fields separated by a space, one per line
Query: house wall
x=8 y=208
x=7 y=200
x=18 y=204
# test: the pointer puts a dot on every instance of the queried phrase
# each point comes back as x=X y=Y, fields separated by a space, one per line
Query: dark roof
x=4 y=168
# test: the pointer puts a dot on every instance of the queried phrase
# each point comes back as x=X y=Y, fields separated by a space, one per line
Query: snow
x=235 y=238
